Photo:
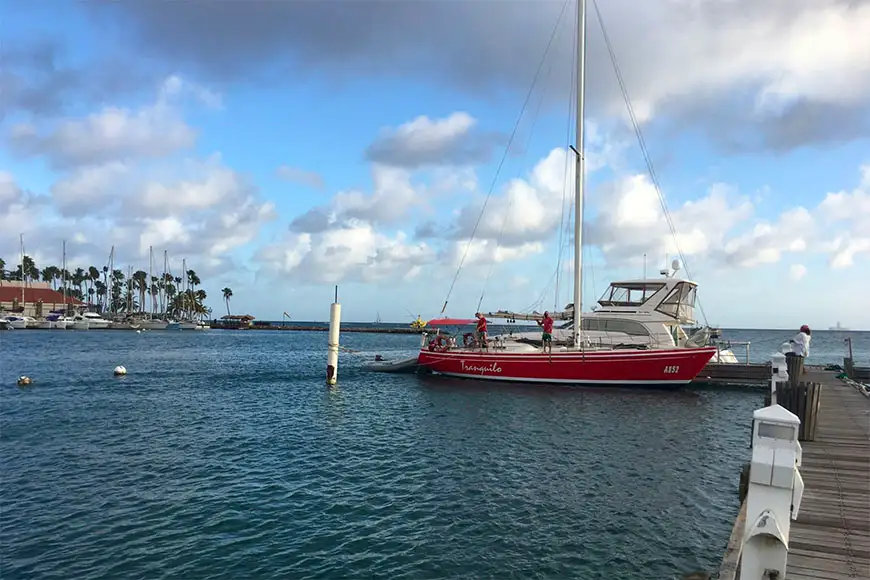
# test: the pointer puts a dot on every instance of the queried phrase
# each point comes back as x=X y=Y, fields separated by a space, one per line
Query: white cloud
x=295 y=174
x=114 y=133
x=797 y=271
x=848 y=213
x=630 y=221
x=765 y=63
x=423 y=141
x=88 y=188
x=352 y=252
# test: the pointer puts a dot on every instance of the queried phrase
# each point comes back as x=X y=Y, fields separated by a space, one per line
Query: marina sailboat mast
x=63 y=277
x=23 y=274
x=579 y=176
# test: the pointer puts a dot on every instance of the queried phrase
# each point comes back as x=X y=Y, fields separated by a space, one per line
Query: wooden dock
x=755 y=374
x=830 y=540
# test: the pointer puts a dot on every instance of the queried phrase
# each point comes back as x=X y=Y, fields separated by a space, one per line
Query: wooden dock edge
x=731 y=561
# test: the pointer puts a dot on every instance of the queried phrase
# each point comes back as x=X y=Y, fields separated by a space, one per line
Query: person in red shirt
x=547 y=336
x=480 y=330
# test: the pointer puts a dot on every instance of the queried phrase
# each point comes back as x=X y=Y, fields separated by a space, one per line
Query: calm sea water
x=222 y=455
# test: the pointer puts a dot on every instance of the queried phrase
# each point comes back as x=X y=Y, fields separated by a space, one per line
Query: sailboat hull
x=613 y=367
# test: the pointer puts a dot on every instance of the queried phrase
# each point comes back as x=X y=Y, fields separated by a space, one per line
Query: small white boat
x=52 y=322
x=153 y=325
x=19 y=322
x=90 y=321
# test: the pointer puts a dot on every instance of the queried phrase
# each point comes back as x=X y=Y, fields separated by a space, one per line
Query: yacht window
x=629 y=327
x=629 y=294
x=679 y=300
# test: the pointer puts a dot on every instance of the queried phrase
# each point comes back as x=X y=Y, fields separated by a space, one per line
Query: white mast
x=148 y=285
x=23 y=277
x=63 y=277
x=163 y=298
x=111 y=288
x=183 y=289
x=579 y=171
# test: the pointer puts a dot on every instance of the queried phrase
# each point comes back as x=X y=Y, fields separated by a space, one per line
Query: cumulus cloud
x=424 y=141
x=797 y=271
x=790 y=73
x=351 y=252
x=114 y=133
x=36 y=77
x=311 y=179
x=395 y=194
x=201 y=210
x=848 y=212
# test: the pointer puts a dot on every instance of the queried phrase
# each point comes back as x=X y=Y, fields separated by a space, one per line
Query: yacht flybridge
x=640 y=314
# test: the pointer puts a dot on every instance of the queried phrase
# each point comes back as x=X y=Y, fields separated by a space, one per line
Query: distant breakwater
x=370 y=330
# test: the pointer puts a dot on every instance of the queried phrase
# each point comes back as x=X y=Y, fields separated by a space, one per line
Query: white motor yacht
x=151 y=324
x=644 y=313
x=19 y=322
x=90 y=321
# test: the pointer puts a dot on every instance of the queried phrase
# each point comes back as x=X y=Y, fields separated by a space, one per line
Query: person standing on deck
x=547 y=336
x=480 y=330
x=800 y=349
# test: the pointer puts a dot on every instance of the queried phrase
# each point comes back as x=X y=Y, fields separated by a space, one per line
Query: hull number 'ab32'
x=671 y=370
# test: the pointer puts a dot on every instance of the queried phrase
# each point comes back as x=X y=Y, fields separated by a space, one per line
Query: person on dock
x=800 y=349
x=480 y=330
x=547 y=337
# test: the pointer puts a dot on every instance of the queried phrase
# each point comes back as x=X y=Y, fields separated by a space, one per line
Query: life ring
x=440 y=342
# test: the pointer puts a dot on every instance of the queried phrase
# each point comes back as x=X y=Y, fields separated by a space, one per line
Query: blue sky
x=283 y=159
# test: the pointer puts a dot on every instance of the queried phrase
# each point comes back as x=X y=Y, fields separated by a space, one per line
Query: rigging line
x=571 y=97
x=642 y=144
x=504 y=156
x=542 y=296
x=524 y=156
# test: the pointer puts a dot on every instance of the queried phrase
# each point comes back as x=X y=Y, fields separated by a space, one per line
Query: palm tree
x=30 y=269
x=228 y=293
x=51 y=274
x=140 y=281
x=101 y=294
x=94 y=275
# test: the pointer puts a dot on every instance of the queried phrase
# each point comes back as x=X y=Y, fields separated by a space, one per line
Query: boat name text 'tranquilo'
x=490 y=368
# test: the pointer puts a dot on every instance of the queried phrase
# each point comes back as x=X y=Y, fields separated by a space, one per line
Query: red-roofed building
x=38 y=301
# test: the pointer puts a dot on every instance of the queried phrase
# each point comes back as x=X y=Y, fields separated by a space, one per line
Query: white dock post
x=774 y=493
x=778 y=373
x=334 y=330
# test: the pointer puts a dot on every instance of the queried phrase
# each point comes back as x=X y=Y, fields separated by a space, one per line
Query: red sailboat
x=580 y=362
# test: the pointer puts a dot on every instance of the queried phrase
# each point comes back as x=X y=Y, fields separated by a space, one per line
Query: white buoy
x=332 y=349
x=120 y=371
x=138 y=332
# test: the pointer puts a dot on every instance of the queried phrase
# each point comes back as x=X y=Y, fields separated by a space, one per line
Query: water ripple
x=222 y=455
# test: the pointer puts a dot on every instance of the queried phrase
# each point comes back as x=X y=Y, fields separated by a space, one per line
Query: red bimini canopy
x=451 y=321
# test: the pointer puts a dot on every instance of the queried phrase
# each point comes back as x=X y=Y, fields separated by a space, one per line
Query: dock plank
x=830 y=539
